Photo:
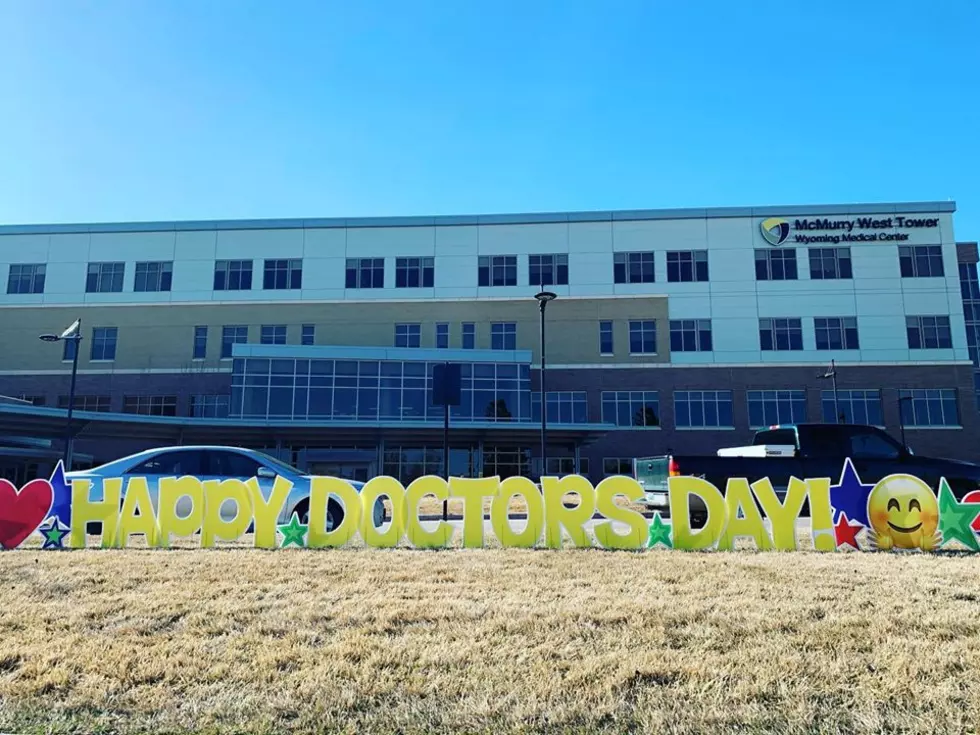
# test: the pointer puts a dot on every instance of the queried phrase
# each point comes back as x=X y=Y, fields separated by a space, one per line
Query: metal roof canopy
x=50 y=422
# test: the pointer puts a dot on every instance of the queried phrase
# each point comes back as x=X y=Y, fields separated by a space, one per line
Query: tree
x=646 y=416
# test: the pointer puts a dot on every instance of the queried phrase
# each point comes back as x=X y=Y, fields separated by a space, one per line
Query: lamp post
x=832 y=374
x=543 y=298
x=901 y=418
x=74 y=335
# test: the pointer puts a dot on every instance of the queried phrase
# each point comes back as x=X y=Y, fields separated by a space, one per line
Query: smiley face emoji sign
x=904 y=514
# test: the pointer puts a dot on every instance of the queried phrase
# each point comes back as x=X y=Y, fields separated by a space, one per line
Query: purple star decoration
x=850 y=496
x=61 y=508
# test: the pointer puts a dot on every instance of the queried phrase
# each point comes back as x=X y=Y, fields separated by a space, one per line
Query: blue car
x=220 y=463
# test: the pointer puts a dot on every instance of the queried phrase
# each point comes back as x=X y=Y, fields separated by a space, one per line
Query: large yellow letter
x=84 y=510
x=557 y=516
x=821 y=516
x=606 y=494
x=216 y=493
x=473 y=491
x=374 y=489
x=321 y=488
x=681 y=489
x=500 y=513
x=419 y=536
x=266 y=513
x=738 y=497
x=172 y=489
x=137 y=498
x=782 y=516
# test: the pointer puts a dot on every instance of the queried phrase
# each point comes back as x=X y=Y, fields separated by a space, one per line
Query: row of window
x=683 y=266
x=692 y=409
x=686 y=335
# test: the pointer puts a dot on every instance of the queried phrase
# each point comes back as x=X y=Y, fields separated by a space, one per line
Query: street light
x=832 y=374
x=901 y=418
x=72 y=334
x=543 y=298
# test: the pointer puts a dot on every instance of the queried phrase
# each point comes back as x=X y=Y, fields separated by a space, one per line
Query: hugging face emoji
x=904 y=514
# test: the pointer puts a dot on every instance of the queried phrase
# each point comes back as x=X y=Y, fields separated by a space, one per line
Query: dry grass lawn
x=490 y=641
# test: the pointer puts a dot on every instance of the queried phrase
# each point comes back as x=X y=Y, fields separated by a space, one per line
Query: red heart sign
x=973 y=497
x=22 y=512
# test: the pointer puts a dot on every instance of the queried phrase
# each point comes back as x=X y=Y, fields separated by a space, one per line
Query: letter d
x=680 y=490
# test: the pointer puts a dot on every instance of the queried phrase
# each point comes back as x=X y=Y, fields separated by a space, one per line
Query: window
x=643 y=337
x=633 y=268
x=308 y=335
x=547 y=270
x=498 y=270
x=25 y=278
x=703 y=409
x=853 y=407
x=969 y=282
x=503 y=336
x=175 y=463
x=200 y=343
x=605 y=338
x=365 y=273
x=836 y=333
x=153 y=276
x=34 y=400
x=150 y=405
x=103 y=343
x=272 y=334
x=775 y=265
x=830 y=263
x=282 y=275
x=209 y=406
x=408 y=335
x=928 y=332
x=414 y=272
x=780 y=335
x=690 y=335
x=631 y=408
x=687 y=266
x=442 y=336
x=224 y=463
x=561 y=466
x=469 y=336
x=232 y=335
x=233 y=275
x=769 y=407
x=105 y=277
x=564 y=407
x=929 y=407
x=101 y=404
x=921 y=261
x=617 y=466
x=865 y=445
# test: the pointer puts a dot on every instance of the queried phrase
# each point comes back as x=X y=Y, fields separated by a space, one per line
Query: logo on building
x=775 y=230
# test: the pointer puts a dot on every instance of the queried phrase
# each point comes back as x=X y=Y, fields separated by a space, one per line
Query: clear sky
x=119 y=110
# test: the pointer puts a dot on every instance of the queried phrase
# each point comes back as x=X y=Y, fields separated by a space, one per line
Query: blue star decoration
x=54 y=532
x=61 y=507
x=849 y=496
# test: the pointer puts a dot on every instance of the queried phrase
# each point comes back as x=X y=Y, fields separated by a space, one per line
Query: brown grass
x=370 y=641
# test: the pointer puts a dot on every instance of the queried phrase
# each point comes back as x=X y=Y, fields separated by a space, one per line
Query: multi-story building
x=672 y=330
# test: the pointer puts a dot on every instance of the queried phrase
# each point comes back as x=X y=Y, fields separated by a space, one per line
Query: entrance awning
x=38 y=421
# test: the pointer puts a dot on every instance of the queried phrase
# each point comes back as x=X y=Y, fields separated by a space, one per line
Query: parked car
x=803 y=451
x=220 y=463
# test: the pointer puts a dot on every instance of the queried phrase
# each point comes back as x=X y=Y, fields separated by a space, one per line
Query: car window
x=822 y=441
x=232 y=464
x=871 y=446
x=174 y=463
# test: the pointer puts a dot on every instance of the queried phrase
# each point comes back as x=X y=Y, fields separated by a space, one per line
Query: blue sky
x=211 y=109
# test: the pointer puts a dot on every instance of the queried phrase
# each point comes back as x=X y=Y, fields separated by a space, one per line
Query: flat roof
x=802 y=210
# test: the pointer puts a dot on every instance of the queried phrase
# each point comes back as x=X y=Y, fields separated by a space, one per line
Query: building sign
x=900 y=512
x=813 y=230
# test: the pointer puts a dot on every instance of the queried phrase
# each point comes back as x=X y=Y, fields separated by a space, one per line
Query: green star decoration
x=54 y=533
x=293 y=532
x=659 y=532
x=955 y=518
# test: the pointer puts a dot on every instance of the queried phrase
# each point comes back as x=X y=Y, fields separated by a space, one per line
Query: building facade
x=672 y=331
